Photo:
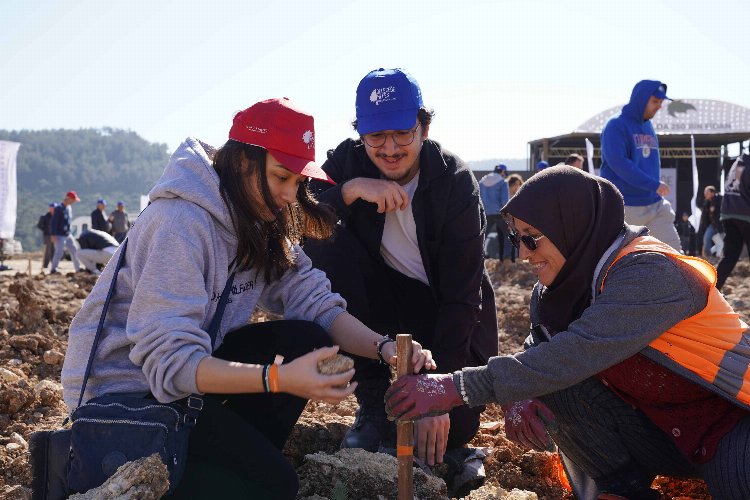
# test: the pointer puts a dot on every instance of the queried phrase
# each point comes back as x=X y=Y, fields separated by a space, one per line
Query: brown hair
x=266 y=245
x=514 y=179
x=573 y=158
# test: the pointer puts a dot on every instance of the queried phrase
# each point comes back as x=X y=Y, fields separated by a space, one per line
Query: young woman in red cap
x=227 y=222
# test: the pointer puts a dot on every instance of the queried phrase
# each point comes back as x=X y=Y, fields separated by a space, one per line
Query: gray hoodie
x=178 y=261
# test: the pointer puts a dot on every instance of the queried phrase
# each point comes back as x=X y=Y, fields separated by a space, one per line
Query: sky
x=497 y=73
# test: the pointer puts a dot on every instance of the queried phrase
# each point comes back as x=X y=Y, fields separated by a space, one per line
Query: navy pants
x=235 y=448
x=389 y=303
x=737 y=234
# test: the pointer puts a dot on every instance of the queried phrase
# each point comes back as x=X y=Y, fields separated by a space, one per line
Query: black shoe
x=368 y=430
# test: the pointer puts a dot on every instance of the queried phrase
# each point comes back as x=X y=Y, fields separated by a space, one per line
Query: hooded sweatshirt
x=493 y=190
x=179 y=257
x=630 y=149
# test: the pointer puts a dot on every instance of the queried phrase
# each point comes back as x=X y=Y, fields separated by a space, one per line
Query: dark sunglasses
x=528 y=241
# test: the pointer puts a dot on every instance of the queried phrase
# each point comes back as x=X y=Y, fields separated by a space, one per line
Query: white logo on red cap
x=383 y=95
x=253 y=128
x=309 y=139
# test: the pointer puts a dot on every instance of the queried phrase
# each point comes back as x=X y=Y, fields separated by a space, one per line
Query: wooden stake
x=405 y=430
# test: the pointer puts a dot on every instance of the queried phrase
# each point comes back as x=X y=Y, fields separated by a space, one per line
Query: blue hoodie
x=630 y=149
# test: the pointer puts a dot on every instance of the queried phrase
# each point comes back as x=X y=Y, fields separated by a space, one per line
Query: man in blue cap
x=408 y=256
x=99 y=217
x=630 y=159
x=493 y=189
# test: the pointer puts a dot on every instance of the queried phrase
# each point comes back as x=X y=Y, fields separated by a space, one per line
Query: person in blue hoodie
x=237 y=211
x=494 y=193
x=630 y=160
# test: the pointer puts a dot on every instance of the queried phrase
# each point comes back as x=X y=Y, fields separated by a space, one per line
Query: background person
x=44 y=226
x=60 y=231
x=631 y=384
x=239 y=211
x=120 y=221
x=630 y=160
x=493 y=191
x=99 y=217
x=735 y=216
x=710 y=224
x=408 y=255
x=97 y=247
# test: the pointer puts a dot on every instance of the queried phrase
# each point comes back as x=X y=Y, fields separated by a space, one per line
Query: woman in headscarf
x=635 y=365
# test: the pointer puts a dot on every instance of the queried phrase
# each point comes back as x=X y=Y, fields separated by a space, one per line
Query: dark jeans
x=235 y=449
x=736 y=232
x=49 y=251
x=389 y=303
x=496 y=224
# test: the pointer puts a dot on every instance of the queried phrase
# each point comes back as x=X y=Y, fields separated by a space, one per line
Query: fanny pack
x=113 y=429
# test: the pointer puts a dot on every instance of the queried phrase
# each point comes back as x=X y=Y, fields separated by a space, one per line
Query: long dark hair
x=266 y=245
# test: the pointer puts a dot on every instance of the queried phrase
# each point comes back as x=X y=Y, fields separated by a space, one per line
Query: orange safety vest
x=709 y=344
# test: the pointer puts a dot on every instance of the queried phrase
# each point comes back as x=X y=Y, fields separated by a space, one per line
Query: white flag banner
x=695 y=212
x=8 y=195
x=590 y=156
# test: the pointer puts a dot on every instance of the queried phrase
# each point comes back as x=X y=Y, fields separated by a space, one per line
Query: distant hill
x=512 y=163
x=96 y=163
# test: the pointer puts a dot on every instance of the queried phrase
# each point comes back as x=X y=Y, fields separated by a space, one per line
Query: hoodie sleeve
x=303 y=293
x=626 y=317
x=617 y=146
x=168 y=310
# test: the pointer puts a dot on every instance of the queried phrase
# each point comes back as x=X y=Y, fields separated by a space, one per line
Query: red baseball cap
x=72 y=195
x=284 y=130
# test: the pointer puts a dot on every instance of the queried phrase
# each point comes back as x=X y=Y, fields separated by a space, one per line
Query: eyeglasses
x=400 y=137
x=528 y=240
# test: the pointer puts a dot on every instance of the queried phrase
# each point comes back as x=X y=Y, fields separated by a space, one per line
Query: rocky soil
x=34 y=317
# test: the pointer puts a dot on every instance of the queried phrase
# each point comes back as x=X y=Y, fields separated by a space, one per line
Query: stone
x=9 y=376
x=53 y=357
x=143 y=479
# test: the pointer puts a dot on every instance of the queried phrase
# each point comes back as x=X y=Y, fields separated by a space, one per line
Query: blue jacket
x=735 y=203
x=493 y=190
x=60 y=224
x=630 y=150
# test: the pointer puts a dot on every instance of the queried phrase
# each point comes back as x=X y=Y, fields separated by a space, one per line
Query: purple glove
x=416 y=396
x=525 y=423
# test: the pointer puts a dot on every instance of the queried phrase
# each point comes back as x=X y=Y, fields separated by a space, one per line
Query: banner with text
x=8 y=195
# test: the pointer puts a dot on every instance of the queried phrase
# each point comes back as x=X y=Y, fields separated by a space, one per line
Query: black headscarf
x=581 y=215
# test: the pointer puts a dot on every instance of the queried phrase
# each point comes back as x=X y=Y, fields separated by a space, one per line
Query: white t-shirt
x=399 y=246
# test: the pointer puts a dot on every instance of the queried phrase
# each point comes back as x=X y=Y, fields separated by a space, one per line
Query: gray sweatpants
x=658 y=218
x=63 y=243
x=618 y=447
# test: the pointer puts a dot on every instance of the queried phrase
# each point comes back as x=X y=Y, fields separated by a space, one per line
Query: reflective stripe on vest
x=714 y=343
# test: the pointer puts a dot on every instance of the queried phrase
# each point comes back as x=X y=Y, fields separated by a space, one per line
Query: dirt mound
x=34 y=318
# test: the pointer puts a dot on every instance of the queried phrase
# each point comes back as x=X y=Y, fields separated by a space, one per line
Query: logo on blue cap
x=387 y=99
x=661 y=92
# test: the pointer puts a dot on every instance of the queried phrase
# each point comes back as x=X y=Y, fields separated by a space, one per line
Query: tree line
x=104 y=163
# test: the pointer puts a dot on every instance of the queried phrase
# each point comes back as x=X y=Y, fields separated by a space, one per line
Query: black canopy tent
x=713 y=124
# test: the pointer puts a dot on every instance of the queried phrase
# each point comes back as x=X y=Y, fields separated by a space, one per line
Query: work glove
x=526 y=422
x=416 y=396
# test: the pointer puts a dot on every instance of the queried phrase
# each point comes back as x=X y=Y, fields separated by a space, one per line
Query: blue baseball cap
x=542 y=165
x=501 y=168
x=661 y=92
x=387 y=99
x=120 y=203
x=51 y=205
x=101 y=201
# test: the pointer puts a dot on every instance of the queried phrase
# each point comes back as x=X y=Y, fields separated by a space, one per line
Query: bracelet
x=266 y=387
x=380 y=345
x=273 y=378
x=461 y=387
